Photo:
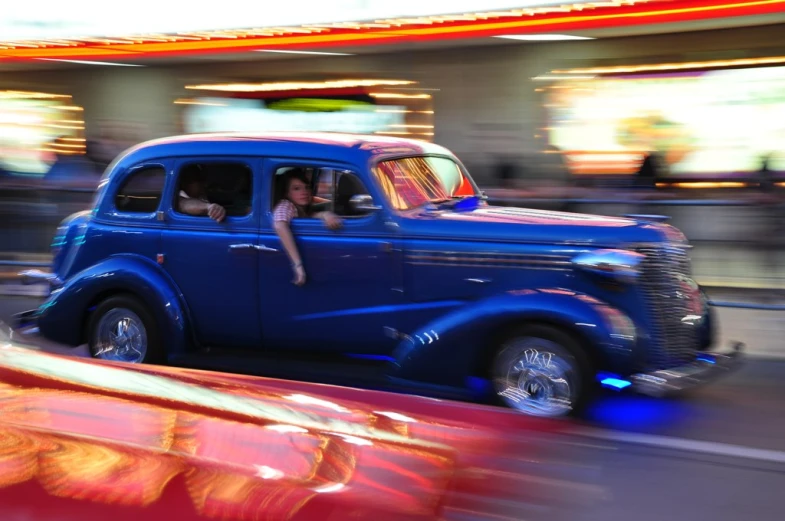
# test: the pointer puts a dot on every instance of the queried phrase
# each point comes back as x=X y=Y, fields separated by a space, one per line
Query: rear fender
x=62 y=318
x=448 y=350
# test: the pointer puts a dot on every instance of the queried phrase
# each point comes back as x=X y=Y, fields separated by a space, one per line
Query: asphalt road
x=715 y=454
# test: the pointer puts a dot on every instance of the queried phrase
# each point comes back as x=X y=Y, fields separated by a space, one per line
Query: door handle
x=239 y=247
x=248 y=246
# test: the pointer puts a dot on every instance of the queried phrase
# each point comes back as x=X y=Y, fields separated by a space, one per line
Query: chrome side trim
x=486 y=260
x=570 y=243
x=486 y=254
x=455 y=259
x=486 y=265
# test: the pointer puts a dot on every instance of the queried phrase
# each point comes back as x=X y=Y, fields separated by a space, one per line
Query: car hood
x=509 y=224
x=91 y=440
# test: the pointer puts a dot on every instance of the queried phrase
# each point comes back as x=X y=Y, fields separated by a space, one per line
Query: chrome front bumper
x=38 y=277
x=25 y=320
x=707 y=367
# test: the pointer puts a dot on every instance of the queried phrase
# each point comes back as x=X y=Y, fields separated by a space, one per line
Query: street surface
x=715 y=454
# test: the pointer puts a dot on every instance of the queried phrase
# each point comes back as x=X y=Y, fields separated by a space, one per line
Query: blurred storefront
x=721 y=123
x=703 y=99
x=36 y=128
x=364 y=106
x=521 y=105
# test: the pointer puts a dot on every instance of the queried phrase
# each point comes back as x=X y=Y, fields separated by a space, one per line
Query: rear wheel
x=121 y=329
x=542 y=371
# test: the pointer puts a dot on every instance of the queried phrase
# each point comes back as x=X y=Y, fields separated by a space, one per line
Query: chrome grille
x=666 y=284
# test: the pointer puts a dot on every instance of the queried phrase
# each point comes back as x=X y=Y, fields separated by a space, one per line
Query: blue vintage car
x=426 y=287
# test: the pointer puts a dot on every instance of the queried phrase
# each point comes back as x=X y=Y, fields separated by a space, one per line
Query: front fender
x=62 y=317
x=67 y=242
x=448 y=350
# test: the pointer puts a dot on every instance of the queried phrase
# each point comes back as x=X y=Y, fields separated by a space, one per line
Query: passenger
x=193 y=200
x=296 y=201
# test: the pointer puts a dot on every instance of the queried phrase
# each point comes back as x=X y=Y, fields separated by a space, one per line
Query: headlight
x=620 y=265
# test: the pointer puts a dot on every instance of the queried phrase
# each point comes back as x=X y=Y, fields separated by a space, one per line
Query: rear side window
x=141 y=191
x=228 y=184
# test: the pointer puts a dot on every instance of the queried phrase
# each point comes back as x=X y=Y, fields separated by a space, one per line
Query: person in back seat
x=192 y=199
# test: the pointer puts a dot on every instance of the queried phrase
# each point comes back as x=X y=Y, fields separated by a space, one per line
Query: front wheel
x=541 y=371
x=121 y=329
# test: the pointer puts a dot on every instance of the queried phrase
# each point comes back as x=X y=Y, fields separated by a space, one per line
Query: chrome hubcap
x=536 y=377
x=121 y=337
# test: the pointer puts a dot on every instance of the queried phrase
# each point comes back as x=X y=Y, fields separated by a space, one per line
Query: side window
x=348 y=185
x=141 y=191
x=324 y=187
x=303 y=186
x=329 y=189
x=228 y=184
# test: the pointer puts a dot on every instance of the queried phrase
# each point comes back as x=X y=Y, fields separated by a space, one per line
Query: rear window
x=141 y=191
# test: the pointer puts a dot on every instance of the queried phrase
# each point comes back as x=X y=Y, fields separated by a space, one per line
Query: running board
x=363 y=374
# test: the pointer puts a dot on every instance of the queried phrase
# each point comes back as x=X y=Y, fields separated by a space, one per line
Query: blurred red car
x=87 y=440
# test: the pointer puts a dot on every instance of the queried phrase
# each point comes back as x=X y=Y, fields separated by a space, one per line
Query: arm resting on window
x=329 y=219
x=192 y=206
x=287 y=240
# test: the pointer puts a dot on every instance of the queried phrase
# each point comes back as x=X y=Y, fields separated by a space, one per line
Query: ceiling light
x=543 y=37
x=85 y=62
x=306 y=52
x=303 y=85
x=198 y=102
x=562 y=78
x=664 y=67
x=402 y=96
x=19 y=94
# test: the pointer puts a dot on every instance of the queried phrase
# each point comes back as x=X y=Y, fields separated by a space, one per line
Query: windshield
x=414 y=181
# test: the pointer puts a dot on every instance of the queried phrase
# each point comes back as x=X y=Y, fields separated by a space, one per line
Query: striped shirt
x=285 y=211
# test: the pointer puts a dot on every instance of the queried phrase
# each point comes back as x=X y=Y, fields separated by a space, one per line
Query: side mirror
x=363 y=203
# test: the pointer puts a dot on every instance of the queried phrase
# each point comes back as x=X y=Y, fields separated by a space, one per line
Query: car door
x=215 y=264
x=353 y=288
x=138 y=194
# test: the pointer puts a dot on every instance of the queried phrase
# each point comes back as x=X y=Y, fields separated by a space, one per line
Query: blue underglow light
x=380 y=358
x=615 y=383
x=706 y=359
x=478 y=386
x=612 y=382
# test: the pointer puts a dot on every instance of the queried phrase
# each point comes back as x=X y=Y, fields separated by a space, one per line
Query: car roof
x=350 y=148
